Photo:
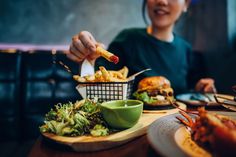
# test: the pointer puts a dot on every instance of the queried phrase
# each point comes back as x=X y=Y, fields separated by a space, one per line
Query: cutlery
x=138 y=73
x=207 y=96
x=226 y=101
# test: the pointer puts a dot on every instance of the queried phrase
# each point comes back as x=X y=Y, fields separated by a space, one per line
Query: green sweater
x=138 y=50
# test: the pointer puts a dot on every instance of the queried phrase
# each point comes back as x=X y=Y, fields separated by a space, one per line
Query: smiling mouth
x=160 y=12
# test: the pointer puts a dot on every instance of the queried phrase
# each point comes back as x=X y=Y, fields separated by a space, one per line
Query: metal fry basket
x=106 y=91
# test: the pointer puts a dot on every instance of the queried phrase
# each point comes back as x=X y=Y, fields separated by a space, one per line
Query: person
x=156 y=47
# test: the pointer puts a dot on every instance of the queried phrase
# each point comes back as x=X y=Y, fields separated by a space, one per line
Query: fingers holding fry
x=107 y=55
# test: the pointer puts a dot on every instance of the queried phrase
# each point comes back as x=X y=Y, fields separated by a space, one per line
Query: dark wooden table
x=139 y=147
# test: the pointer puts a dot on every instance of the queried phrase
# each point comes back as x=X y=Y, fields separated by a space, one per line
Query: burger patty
x=155 y=92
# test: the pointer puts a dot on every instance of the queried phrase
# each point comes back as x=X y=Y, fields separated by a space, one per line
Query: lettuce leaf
x=71 y=120
x=144 y=97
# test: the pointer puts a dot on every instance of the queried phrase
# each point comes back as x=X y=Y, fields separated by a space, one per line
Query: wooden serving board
x=90 y=143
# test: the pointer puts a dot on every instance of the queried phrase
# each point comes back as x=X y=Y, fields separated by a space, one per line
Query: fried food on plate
x=216 y=133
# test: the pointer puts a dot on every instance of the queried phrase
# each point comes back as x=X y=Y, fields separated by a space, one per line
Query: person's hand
x=206 y=85
x=83 y=46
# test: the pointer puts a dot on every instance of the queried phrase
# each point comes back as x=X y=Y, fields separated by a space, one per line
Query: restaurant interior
x=35 y=36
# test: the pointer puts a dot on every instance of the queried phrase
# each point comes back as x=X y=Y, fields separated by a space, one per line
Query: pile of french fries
x=104 y=75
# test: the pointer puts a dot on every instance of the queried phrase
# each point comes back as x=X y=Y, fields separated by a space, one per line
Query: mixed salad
x=76 y=119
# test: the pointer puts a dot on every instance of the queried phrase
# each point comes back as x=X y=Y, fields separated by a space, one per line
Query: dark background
x=208 y=25
x=56 y=21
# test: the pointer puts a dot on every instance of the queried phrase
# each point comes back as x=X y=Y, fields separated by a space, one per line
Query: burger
x=155 y=91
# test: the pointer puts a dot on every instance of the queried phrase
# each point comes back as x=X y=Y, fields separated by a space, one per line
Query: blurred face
x=164 y=13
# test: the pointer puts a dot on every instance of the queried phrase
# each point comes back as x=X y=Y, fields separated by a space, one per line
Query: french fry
x=114 y=79
x=125 y=71
x=79 y=78
x=103 y=75
x=107 y=55
x=90 y=78
x=98 y=76
x=116 y=74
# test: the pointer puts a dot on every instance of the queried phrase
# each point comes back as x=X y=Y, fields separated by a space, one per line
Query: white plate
x=170 y=138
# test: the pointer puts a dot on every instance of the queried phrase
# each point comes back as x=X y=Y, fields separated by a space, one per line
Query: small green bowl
x=122 y=114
